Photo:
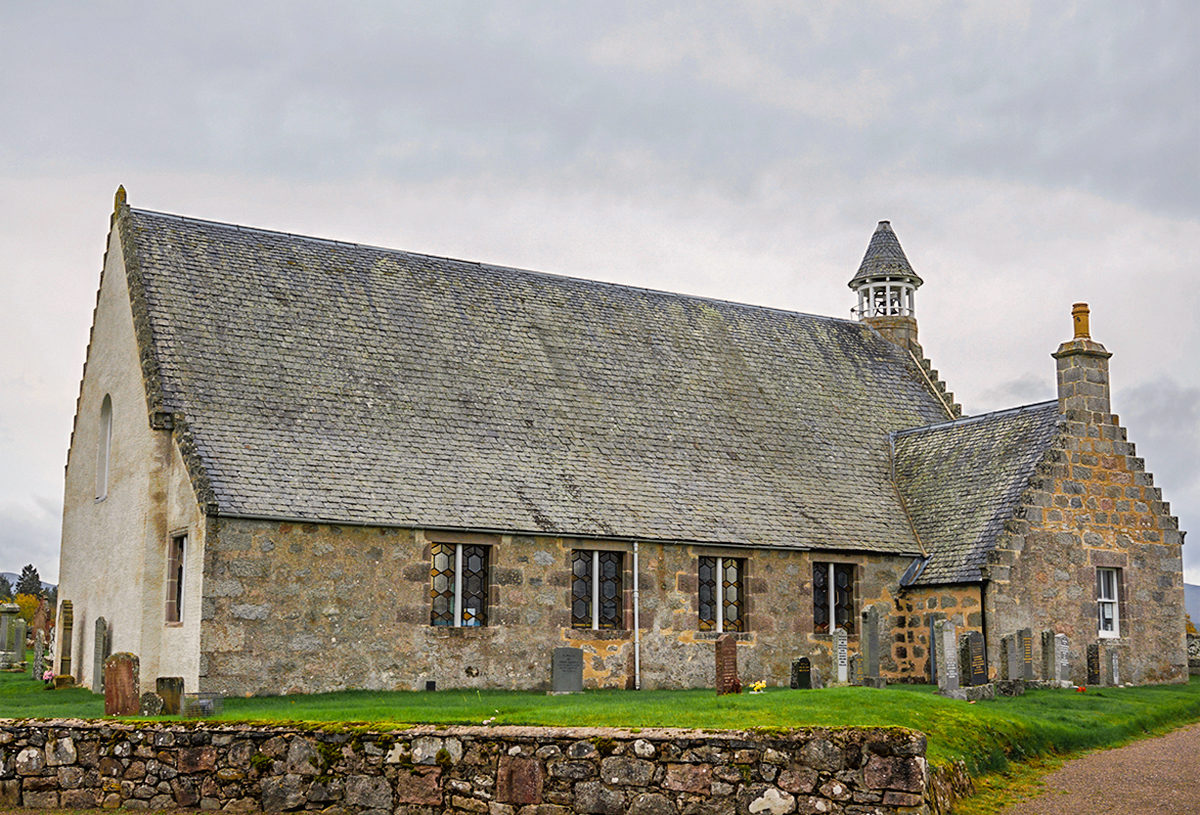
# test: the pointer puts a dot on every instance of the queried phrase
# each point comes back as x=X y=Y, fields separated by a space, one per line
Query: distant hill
x=13 y=577
x=1191 y=600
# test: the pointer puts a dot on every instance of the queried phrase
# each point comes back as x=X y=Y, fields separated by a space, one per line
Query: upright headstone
x=121 y=681
x=1093 y=663
x=100 y=652
x=1025 y=642
x=727 y=672
x=841 y=657
x=1010 y=657
x=854 y=670
x=566 y=670
x=1049 y=665
x=1114 y=673
x=802 y=673
x=1062 y=646
x=170 y=689
x=946 y=642
x=973 y=665
x=150 y=704
x=8 y=619
x=39 y=654
x=933 y=665
x=66 y=621
x=41 y=620
x=870 y=641
x=20 y=640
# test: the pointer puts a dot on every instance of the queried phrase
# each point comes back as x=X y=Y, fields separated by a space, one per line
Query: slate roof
x=962 y=480
x=328 y=381
x=884 y=258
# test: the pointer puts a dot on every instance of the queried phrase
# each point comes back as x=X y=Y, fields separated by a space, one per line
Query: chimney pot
x=1080 y=313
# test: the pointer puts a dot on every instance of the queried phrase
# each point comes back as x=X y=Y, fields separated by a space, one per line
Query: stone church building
x=305 y=465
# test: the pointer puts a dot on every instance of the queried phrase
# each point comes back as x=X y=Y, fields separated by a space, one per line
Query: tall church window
x=1108 y=608
x=175 y=553
x=459 y=587
x=596 y=597
x=833 y=597
x=104 y=448
x=721 y=594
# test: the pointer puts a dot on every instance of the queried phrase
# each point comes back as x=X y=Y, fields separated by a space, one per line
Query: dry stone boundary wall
x=497 y=770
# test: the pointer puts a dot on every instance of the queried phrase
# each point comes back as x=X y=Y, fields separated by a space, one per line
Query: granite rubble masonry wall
x=917 y=609
x=317 y=607
x=1091 y=504
x=501 y=771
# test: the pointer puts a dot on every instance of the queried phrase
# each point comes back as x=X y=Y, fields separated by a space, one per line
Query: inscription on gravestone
x=100 y=652
x=66 y=621
x=121 y=685
x=841 y=657
x=1025 y=642
x=802 y=673
x=1093 y=663
x=974 y=666
x=1062 y=657
x=947 y=655
x=1114 y=674
x=727 y=672
x=566 y=670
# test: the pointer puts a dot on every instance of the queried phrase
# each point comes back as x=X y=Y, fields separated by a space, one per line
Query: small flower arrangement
x=48 y=678
x=759 y=686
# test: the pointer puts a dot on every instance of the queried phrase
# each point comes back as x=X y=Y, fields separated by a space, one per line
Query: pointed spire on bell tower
x=886 y=285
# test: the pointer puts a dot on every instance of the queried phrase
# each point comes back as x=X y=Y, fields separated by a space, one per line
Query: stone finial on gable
x=119 y=199
x=1083 y=385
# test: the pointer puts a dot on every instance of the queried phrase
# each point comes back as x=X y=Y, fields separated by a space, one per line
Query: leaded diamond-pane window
x=708 y=593
x=596 y=597
x=833 y=597
x=721 y=594
x=443 y=584
x=458 y=584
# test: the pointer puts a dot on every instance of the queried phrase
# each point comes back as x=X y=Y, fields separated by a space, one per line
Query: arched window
x=104 y=448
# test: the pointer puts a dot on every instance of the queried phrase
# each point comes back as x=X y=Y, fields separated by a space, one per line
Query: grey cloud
x=31 y=535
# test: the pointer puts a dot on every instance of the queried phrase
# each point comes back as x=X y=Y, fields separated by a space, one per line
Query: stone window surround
x=855 y=571
x=621 y=581
x=175 y=579
x=459 y=539
x=1108 y=594
x=104 y=448
x=717 y=625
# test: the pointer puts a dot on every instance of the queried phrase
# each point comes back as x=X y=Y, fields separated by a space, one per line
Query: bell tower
x=886 y=285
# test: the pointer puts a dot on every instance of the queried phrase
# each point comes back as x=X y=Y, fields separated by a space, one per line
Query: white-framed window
x=176 y=548
x=596 y=597
x=459 y=578
x=721 y=595
x=833 y=597
x=1108 y=606
x=104 y=448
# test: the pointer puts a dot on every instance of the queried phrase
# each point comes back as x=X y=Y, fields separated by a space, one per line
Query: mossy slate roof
x=335 y=382
x=962 y=480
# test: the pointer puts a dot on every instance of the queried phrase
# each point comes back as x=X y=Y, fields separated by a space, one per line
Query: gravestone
x=817 y=683
x=39 y=655
x=170 y=688
x=1025 y=644
x=8 y=619
x=946 y=642
x=933 y=665
x=20 y=642
x=973 y=665
x=1010 y=657
x=1062 y=657
x=802 y=673
x=841 y=658
x=1049 y=664
x=854 y=671
x=150 y=704
x=100 y=652
x=121 y=682
x=66 y=621
x=727 y=672
x=870 y=641
x=41 y=620
x=1093 y=663
x=1114 y=674
x=566 y=670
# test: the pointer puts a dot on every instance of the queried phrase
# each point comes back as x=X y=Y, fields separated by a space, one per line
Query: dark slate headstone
x=802 y=673
x=121 y=685
x=66 y=622
x=170 y=688
x=566 y=670
x=974 y=663
x=100 y=652
x=1093 y=663
x=727 y=672
x=1025 y=644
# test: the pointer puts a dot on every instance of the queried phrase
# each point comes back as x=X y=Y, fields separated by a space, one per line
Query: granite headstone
x=946 y=642
x=1114 y=673
x=802 y=673
x=1025 y=646
x=566 y=670
x=973 y=662
x=1093 y=663
x=841 y=657
x=1062 y=646
x=100 y=652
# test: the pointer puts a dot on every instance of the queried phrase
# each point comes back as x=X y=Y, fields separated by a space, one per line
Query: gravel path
x=1158 y=776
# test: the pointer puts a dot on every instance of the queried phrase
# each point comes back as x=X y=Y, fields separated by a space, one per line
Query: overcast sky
x=1028 y=156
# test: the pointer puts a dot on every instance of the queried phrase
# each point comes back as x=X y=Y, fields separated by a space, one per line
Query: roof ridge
x=492 y=266
x=966 y=420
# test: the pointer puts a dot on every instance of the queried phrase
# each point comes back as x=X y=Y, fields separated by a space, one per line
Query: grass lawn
x=986 y=735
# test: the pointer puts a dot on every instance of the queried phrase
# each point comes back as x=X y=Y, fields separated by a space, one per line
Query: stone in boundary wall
x=502 y=770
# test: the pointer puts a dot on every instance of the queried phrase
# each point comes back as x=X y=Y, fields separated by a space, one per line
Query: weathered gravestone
x=566 y=670
x=39 y=655
x=20 y=642
x=871 y=648
x=933 y=665
x=1010 y=660
x=41 y=620
x=1049 y=665
x=1025 y=644
x=121 y=683
x=1093 y=663
x=8 y=619
x=841 y=657
x=66 y=621
x=727 y=672
x=973 y=659
x=946 y=645
x=170 y=688
x=802 y=673
x=1062 y=647
x=1114 y=674
x=100 y=652
x=854 y=670
x=150 y=704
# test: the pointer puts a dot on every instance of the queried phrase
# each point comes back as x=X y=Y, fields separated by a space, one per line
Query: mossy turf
x=986 y=735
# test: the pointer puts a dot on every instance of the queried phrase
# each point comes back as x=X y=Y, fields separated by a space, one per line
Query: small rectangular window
x=596 y=597
x=459 y=587
x=175 y=553
x=1107 y=602
x=721 y=594
x=833 y=597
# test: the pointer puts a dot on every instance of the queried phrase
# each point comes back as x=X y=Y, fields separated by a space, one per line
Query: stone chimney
x=1083 y=372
